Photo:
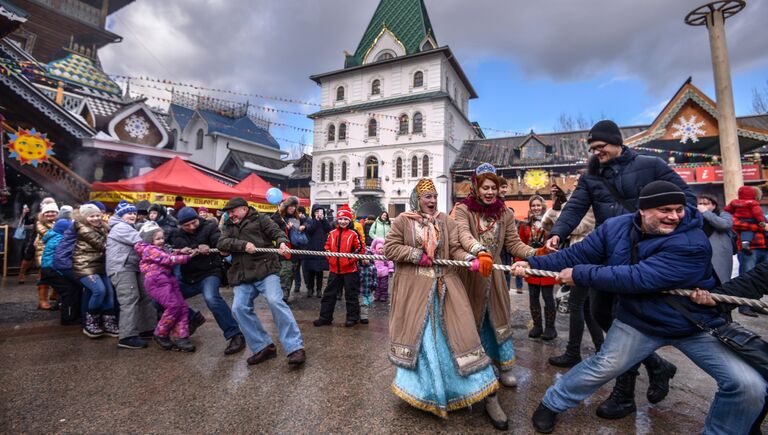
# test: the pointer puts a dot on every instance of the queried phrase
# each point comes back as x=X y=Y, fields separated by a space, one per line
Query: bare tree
x=760 y=99
x=298 y=149
x=569 y=122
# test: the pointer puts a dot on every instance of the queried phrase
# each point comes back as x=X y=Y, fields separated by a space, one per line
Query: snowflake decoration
x=688 y=129
x=137 y=127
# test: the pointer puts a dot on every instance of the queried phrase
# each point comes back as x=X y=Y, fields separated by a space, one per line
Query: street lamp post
x=713 y=15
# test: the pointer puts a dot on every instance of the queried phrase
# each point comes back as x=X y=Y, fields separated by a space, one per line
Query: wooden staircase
x=55 y=177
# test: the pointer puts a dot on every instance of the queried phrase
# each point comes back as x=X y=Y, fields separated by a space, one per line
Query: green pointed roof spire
x=406 y=19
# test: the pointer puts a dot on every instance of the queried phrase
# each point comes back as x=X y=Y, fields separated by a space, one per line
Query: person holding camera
x=316 y=228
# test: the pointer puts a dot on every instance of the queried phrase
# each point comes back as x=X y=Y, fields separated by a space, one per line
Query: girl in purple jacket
x=383 y=269
x=172 y=331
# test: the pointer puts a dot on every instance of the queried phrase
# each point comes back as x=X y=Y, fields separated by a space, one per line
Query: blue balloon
x=274 y=196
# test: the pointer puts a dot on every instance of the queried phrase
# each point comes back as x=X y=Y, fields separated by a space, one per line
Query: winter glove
x=558 y=197
x=475 y=265
x=541 y=251
x=486 y=263
x=425 y=261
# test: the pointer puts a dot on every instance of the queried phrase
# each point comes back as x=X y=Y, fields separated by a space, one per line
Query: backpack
x=298 y=238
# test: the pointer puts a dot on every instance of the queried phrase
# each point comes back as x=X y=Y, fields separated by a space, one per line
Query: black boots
x=536 y=331
x=660 y=372
x=544 y=419
x=570 y=358
x=621 y=402
x=550 y=333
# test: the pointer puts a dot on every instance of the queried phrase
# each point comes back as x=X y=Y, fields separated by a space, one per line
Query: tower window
x=330 y=171
x=414 y=167
x=376 y=87
x=340 y=93
x=403 y=124
x=425 y=166
x=331 y=133
x=418 y=123
x=372 y=128
x=399 y=167
x=199 y=142
x=343 y=131
x=418 y=79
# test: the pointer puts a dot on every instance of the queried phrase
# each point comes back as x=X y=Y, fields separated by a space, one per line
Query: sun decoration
x=536 y=179
x=30 y=147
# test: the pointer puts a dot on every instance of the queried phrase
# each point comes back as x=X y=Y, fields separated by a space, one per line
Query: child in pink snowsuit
x=172 y=331
x=383 y=269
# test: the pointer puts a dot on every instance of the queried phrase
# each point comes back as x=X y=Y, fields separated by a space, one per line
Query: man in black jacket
x=615 y=176
x=204 y=272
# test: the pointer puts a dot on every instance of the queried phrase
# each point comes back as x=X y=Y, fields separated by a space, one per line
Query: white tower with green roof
x=396 y=112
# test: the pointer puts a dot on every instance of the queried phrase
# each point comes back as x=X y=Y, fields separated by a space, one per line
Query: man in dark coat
x=611 y=186
x=203 y=273
x=317 y=229
x=638 y=256
x=253 y=274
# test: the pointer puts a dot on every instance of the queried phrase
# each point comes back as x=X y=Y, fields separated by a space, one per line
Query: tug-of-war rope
x=754 y=303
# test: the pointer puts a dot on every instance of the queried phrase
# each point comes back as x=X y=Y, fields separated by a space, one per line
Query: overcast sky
x=529 y=61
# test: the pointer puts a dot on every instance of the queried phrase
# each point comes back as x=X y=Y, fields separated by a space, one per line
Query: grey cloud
x=272 y=46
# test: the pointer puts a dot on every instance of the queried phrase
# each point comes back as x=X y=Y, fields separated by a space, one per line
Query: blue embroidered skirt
x=435 y=385
x=502 y=354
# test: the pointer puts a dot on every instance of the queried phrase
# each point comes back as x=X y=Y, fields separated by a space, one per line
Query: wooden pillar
x=729 y=140
x=104 y=13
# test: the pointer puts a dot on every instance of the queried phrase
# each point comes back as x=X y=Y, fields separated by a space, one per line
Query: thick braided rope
x=754 y=303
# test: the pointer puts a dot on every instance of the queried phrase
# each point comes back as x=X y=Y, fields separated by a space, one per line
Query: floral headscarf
x=430 y=230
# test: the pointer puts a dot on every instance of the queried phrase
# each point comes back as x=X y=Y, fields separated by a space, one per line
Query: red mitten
x=486 y=263
x=541 y=251
x=425 y=261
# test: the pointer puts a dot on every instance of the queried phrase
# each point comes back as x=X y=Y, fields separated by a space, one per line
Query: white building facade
x=398 y=112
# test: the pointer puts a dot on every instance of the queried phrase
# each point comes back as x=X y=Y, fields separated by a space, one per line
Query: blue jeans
x=748 y=262
x=741 y=390
x=255 y=335
x=102 y=299
x=209 y=287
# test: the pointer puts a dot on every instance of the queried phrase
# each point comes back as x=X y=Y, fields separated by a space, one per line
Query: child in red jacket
x=747 y=209
x=343 y=271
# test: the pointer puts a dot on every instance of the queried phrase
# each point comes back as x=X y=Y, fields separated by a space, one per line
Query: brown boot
x=25 y=264
x=42 y=298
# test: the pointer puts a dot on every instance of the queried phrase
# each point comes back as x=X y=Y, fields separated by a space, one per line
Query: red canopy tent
x=256 y=187
x=173 y=178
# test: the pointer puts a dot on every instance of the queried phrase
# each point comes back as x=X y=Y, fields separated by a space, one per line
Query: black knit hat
x=660 y=193
x=606 y=131
x=235 y=202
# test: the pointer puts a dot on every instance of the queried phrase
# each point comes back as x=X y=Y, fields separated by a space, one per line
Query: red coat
x=524 y=230
x=343 y=240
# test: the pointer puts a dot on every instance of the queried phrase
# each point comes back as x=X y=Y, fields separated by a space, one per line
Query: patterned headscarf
x=430 y=235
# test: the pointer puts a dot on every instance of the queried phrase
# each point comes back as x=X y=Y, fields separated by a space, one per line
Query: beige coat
x=41 y=228
x=413 y=292
x=89 y=254
x=490 y=294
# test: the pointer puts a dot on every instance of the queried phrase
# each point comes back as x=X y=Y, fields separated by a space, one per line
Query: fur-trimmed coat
x=414 y=289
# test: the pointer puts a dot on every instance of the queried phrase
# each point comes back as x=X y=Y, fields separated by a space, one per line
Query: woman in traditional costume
x=486 y=228
x=441 y=364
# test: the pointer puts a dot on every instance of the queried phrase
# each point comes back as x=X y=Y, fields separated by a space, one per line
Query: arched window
x=425 y=166
x=384 y=56
x=343 y=131
x=399 y=167
x=199 y=142
x=330 y=171
x=418 y=79
x=331 y=133
x=322 y=172
x=340 y=93
x=403 y=124
x=414 y=167
x=376 y=87
x=371 y=167
x=344 y=170
x=418 y=123
x=372 y=128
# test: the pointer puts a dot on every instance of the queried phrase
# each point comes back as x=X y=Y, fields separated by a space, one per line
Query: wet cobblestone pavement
x=55 y=380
